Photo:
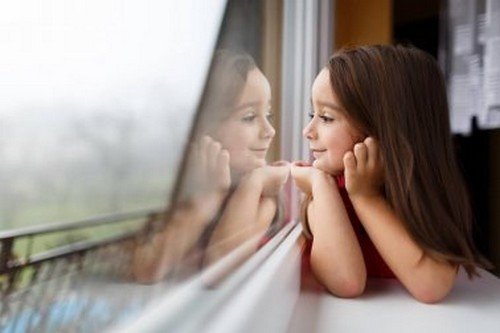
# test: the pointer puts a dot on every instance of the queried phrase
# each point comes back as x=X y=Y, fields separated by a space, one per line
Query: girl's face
x=247 y=133
x=329 y=132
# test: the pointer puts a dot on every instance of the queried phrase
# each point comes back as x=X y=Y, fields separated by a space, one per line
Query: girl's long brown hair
x=397 y=95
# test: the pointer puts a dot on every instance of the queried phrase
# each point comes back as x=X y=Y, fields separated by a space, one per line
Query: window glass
x=96 y=102
x=152 y=124
x=229 y=199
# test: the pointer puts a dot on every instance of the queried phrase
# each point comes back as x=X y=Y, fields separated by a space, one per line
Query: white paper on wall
x=461 y=103
x=465 y=76
x=474 y=55
x=463 y=39
x=490 y=115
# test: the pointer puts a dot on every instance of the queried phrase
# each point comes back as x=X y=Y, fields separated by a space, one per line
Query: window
x=154 y=131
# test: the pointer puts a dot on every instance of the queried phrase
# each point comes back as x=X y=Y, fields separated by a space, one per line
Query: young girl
x=385 y=196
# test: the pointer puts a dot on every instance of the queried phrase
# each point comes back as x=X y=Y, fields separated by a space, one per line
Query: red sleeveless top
x=375 y=265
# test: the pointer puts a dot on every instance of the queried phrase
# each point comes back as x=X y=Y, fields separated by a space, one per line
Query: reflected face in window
x=329 y=132
x=247 y=132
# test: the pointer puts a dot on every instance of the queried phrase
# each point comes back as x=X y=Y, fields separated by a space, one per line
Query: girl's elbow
x=429 y=296
x=351 y=290
x=343 y=283
x=348 y=287
x=434 y=288
x=431 y=293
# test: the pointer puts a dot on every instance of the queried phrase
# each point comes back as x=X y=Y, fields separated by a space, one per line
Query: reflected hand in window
x=271 y=177
x=208 y=176
x=208 y=169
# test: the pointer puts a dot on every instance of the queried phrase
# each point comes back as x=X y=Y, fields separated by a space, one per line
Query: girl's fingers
x=280 y=163
x=374 y=154
x=284 y=168
x=361 y=154
x=299 y=169
x=213 y=152
x=301 y=163
x=349 y=163
x=223 y=158
x=223 y=168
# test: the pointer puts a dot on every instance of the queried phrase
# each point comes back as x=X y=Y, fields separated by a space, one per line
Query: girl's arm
x=207 y=183
x=153 y=260
x=249 y=211
x=246 y=215
x=427 y=279
x=336 y=257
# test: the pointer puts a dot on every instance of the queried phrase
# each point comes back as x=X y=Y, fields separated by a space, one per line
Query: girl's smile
x=262 y=152
x=318 y=153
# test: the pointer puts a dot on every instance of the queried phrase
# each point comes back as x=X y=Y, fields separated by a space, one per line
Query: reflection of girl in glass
x=385 y=195
x=237 y=117
x=229 y=193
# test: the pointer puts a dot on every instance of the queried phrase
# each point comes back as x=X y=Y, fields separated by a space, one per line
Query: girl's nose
x=267 y=130
x=309 y=132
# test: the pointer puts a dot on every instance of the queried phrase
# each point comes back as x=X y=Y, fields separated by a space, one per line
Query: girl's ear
x=358 y=134
x=358 y=139
x=363 y=135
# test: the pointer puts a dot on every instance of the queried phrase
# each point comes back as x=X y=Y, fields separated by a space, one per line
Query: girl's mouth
x=317 y=152
x=260 y=152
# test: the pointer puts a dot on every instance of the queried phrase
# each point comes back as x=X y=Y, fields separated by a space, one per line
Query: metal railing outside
x=81 y=286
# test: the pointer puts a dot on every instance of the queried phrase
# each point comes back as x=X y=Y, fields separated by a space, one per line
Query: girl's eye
x=270 y=116
x=248 y=118
x=310 y=115
x=326 y=119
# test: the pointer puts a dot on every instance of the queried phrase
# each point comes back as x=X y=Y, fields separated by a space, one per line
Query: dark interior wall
x=473 y=154
x=242 y=27
x=418 y=22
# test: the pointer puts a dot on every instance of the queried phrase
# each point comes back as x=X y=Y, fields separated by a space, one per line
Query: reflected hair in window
x=225 y=84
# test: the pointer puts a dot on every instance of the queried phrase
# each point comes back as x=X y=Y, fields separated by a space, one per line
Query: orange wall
x=360 y=22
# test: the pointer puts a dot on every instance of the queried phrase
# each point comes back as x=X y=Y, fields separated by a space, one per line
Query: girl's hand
x=302 y=175
x=306 y=176
x=272 y=177
x=364 y=169
x=208 y=168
